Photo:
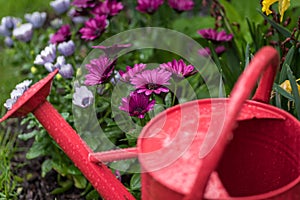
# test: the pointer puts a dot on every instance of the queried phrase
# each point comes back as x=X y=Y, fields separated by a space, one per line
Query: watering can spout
x=34 y=100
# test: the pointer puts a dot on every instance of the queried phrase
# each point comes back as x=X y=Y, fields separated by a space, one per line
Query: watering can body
x=261 y=160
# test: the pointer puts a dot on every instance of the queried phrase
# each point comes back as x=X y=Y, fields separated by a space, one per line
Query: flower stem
x=174 y=94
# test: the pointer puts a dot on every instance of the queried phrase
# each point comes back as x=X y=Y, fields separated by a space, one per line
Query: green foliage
x=250 y=29
x=8 y=181
x=22 y=6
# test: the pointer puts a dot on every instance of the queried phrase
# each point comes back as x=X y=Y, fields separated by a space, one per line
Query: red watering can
x=221 y=148
x=213 y=148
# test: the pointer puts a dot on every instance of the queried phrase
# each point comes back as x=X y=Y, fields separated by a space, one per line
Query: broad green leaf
x=79 y=181
x=294 y=4
x=247 y=9
x=93 y=195
x=135 y=182
x=65 y=186
x=37 y=149
x=191 y=25
x=46 y=167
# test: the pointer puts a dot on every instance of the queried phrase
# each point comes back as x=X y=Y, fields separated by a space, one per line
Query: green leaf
x=247 y=9
x=168 y=99
x=27 y=136
x=93 y=195
x=247 y=55
x=222 y=93
x=282 y=92
x=191 y=25
x=46 y=167
x=80 y=181
x=37 y=149
x=135 y=182
x=286 y=63
x=295 y=4
x=65 y=115
x=65 y=187
x=285 y=32
x=294 y=90
x=277 y=100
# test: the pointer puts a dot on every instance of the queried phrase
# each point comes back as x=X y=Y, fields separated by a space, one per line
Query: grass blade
x=287 y=62
x=285 y=32
x=294 y=90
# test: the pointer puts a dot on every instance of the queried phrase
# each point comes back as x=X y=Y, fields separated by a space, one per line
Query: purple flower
x=100 y=70
x=84 y=3
x=178 y=68
x=66 y=71
x=137 y=105
x=8 y=42
x=206 y=51
x=47 y=55
x=181 y=5
x=60 y=61
x=94 y=27
x=66 y=48
x=4 y=31
x=111 y=51
x=60 y=6
x=215 y=36
x=10 y=22
x=37 y=19
x=108 y=8
x=24 y=32
x=63 y=34
x=131 y=72
x=118 y=175
x=149 y=6
x=152 y=81
x=76 y=16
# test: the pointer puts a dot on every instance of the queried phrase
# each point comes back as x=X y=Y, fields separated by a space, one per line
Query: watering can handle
x=263 y=91
x=265 y=61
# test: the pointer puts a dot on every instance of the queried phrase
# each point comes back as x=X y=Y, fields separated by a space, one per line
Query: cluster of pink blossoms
x=147 y=82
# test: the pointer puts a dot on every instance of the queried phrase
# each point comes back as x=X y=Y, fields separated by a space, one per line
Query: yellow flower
x=58 y=77
x=282 y=6
x=286 y=85
x=33 y=70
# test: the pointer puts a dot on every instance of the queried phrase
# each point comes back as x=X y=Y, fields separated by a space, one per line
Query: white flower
x=17 y=93
x=47 y=55
x=60 y=61
x=23 y=32
x=24 y=85
x=82 y=97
